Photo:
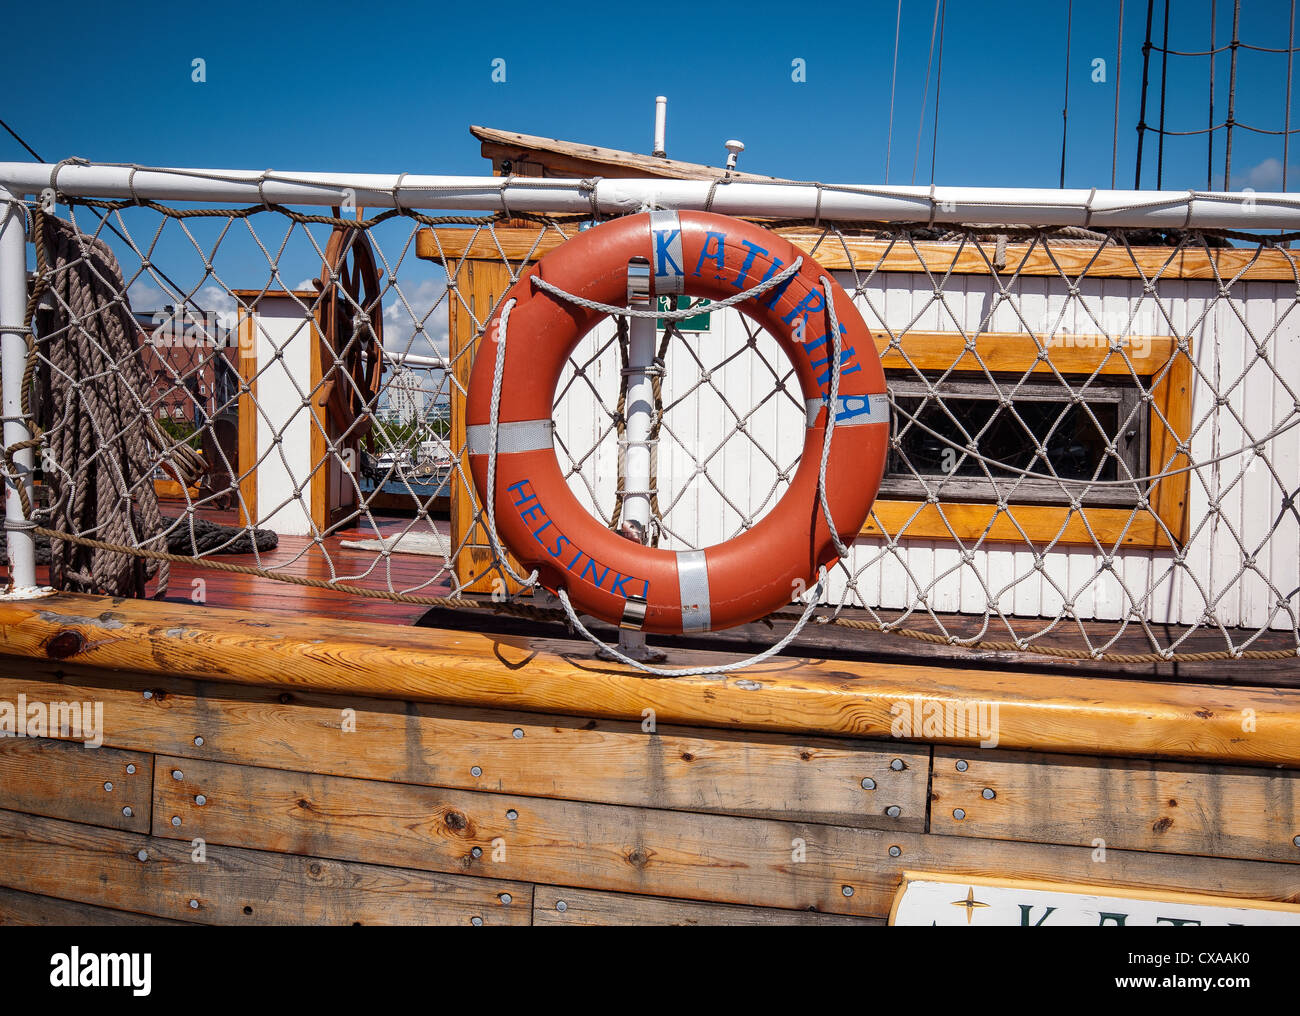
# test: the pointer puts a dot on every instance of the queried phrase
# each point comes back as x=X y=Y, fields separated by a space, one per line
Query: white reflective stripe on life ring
x=693 y=589
x=668 y=261
x=853 y=409
x=519 y=436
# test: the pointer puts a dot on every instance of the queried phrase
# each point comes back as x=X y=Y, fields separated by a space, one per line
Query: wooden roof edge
x=504 y=142
x=260 y=294
x=840 y=698
x=521 y=243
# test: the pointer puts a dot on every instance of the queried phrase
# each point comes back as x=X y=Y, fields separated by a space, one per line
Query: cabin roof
x=531 y=155
x=254 y=295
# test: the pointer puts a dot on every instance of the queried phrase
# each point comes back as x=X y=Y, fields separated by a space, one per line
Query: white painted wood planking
x=901 y=301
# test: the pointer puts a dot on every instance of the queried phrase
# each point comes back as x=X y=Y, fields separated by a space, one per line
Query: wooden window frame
x=1155 y=359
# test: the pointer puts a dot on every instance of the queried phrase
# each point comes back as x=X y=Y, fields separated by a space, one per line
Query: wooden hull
x=297 y=772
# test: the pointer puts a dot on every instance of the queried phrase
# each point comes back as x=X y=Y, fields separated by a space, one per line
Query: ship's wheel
x=352 y=329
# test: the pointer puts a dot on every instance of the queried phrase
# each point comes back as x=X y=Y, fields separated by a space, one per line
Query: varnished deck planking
x=296 y=555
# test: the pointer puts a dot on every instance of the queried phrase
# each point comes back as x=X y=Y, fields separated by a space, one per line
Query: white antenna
x=661 y=126
x=734 y=148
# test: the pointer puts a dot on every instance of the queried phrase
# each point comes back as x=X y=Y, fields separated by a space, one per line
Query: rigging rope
x=1230 y=123
x=1142 y=108
x=1164 y=79
x=1065 y=108
x=938 y=84
x=1119 y=67
x=925 y=95
x=1209 y=148
x=1232 y=91
x=1290 y=61
x=893 y=81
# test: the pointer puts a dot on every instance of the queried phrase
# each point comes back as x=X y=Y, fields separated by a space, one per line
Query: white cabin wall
x=1256 y=484
x=1144 y=583
x=1284 y=545
x=283 y=338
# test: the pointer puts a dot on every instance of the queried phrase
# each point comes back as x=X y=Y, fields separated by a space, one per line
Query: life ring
x=606 y=575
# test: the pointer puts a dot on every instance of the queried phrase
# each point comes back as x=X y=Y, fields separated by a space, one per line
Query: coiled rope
x=92 y=415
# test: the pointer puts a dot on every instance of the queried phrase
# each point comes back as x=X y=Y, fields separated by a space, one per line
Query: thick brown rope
x=326 y=220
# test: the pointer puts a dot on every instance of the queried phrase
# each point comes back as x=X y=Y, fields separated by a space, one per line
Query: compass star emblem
x=970 y=903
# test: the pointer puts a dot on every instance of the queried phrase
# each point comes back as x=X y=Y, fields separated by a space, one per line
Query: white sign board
x=926 y=898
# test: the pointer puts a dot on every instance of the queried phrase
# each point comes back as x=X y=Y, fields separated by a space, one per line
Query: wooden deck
x=298 y=556
x=831 y=642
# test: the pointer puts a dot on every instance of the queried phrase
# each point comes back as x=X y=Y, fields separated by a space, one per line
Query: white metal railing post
x=638 y=413
x=13 y=364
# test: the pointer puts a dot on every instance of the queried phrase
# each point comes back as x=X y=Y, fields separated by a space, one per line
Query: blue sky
x=390 y=87
x=386 y=87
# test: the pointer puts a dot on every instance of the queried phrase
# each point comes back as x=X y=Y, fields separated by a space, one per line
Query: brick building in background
x=192 y=365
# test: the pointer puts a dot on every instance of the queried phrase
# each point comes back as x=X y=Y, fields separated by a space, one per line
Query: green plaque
x=695 y=323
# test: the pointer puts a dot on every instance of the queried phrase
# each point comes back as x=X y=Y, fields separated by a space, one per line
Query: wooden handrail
x=1089 y=715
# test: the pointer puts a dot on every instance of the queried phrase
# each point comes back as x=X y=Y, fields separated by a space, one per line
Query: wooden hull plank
x=805 y=779
x=87 y=864
x=19 y=909
x=63 y=779
x=559 y=906
x=1218 y=811
x=713 y=858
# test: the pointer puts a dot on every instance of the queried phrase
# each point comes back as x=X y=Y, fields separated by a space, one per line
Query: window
x=1158 y=383
x=1075 y=436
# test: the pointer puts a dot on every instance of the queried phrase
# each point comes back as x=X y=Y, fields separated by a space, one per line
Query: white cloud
x=424 y=305
x=1264 y=176
x=145 y=296
x=215 y=300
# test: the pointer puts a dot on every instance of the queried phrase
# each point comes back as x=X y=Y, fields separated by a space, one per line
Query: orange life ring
x=541 y=521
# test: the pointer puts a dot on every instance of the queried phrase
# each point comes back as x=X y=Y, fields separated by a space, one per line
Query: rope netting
x=1094 y=432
